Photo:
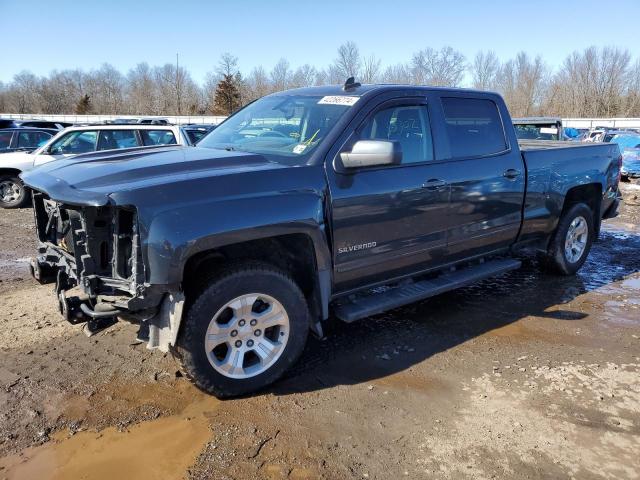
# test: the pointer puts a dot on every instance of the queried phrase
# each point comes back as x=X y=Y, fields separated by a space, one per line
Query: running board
x=372 y=304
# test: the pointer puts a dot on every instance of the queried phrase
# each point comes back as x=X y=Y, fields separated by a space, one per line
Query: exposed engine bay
x=94 y=257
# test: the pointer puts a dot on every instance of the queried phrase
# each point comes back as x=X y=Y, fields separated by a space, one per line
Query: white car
x=74 y=141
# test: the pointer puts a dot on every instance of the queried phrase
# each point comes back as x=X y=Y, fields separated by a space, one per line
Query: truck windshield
x=283 y=128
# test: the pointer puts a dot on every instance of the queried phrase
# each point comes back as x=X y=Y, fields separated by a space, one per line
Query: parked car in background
x=196 y=131
x=593 y=135
x=77 y=140
x=136 y=121
x=24 y=139
x=308 y=202
x=608 y=135
x=153 y=121
x=539 y=128
x=630 y=163
x=626 y=140
x=12 y=123
x=629 y=145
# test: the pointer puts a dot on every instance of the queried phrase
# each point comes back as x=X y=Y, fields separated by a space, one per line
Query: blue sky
x=58 y=34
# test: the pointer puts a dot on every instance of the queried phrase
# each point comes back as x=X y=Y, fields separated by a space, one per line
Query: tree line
x=594 y=82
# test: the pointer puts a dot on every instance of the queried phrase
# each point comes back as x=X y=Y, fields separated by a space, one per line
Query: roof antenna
x=350 y=84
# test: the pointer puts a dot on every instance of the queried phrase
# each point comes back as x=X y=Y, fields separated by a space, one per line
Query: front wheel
x=243 y=331
x=572 y=240
x=13 y=193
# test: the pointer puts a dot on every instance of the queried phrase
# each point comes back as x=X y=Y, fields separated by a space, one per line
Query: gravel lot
x=526 y=376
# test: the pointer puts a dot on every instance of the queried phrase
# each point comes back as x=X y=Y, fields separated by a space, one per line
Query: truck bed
x=553 y=168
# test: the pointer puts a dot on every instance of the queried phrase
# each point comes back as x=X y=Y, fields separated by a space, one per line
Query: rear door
x=389 y=220
x=487 y=176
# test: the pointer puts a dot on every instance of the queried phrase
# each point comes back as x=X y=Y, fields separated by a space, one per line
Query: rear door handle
x=511 y=173
x=434 y=184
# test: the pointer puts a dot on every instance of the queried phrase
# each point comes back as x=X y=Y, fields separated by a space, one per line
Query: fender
x=169 y=249
x=215 y=224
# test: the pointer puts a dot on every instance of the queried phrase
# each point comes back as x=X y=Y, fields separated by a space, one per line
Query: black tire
x=23 y=197
x=556 y=259
x=240 y=280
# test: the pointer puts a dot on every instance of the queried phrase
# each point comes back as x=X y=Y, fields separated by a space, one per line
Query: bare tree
x=105 y=86
x=281 y=75
x=594 y=82
x=348 y=63
x=484 y=70
x=227 y=65
x=142 y=92
x=443 y=67
x=304 y=76
x=632 y=97
x=22 y=94
x=522 y=83
x=589 y=83
x=4 y=103
x=399 y=73
x=371 y=69
x=259 y=84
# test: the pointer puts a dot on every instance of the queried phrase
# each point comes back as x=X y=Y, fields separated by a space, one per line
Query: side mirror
x=370 y=153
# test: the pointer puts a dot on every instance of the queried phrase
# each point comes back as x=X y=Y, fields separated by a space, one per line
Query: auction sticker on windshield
x=338 y=100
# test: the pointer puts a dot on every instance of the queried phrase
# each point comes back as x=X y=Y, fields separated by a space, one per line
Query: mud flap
x=163 y=328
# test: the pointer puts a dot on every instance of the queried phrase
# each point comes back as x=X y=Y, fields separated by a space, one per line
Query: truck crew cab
x=297 y=207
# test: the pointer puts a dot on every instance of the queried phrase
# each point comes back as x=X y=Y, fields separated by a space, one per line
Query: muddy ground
x=526 y=376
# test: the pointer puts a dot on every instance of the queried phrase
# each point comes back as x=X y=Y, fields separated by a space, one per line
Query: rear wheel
x=572 y=240
x=13 y=193
x=243 y=331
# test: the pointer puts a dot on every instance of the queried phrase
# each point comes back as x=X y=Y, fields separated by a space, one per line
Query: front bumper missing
x=93 y=255
x=159 y=322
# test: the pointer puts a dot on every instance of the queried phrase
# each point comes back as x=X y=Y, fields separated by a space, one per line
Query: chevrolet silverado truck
x=340 y=202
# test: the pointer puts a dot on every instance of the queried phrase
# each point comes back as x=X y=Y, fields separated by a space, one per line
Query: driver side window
x=408 y=125
x=74 y=143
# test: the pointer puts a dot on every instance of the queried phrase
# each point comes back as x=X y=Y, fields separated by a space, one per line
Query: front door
x=391 y=220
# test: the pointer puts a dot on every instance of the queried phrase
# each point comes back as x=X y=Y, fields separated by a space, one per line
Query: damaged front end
x=94 y=256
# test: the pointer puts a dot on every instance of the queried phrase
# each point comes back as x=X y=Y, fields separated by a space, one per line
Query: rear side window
x=474 y=127
x=5 y=140
x=158 y=137
x=32 y=139
x=115 y=139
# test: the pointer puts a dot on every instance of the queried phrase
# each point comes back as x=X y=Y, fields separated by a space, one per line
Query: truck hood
x=96 y=178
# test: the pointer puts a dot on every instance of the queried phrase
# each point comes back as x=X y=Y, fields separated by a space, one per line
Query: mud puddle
x=163 y=448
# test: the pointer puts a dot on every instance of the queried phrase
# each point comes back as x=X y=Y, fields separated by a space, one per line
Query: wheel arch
x=294 y=253
x=10 y=171
x=589 y=194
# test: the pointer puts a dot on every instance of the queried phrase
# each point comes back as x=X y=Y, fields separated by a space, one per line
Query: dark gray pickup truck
x=301 y=206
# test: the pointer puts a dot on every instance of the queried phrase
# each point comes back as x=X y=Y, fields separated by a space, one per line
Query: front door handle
x=511 y=174
x=434 y=184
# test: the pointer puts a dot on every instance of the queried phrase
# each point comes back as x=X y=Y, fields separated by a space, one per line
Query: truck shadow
x=393 y=342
